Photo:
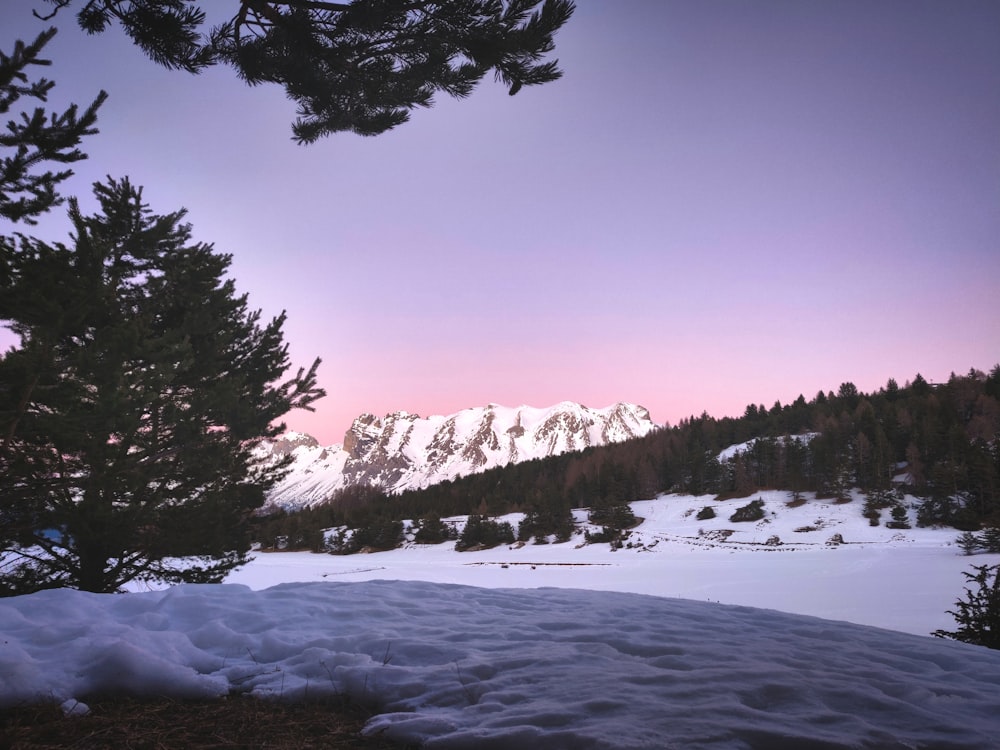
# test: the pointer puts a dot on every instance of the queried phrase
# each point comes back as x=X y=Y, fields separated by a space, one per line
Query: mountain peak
x=290 y=441
x=403 y=451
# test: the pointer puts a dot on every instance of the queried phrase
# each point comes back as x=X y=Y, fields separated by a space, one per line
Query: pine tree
x=485 y=531
x=357 y=66
x=541 y=522
x=978 y=615
x=38 y=138
x=432 y=530
x=133 y=404
x=990 y=540
x=969 y=543
x=900 y=518
x=379 y=535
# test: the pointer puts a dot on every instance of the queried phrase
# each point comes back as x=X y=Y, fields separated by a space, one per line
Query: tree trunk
x=93 y=562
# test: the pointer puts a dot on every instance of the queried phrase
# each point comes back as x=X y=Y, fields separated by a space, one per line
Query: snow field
x=903 y=579
x=559 y=645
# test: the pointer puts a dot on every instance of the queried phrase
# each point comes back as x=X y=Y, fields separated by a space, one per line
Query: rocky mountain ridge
x=403 y=451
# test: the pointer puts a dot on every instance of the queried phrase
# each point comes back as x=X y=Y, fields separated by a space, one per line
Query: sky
x=720 y=203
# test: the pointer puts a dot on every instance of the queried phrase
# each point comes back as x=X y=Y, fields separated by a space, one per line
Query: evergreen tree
x=848 y=393
x=892 y=389
x=485 y=531
x=359 y=66
x=432 y=530
x=991 y=540
x=542 y=522
x=132 y=406
x=40 y=137
x=969 y=543
x=978 y=615
x=613 y=516
x=991 y=385
x=377 y=536
x=900 y=518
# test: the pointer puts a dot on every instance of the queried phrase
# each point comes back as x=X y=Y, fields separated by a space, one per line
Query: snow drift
x=462 y=667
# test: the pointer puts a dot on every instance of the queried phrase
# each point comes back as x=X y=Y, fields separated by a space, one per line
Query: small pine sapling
x=978 y=615
x=990 y=539
x=969 y=543
x=900 y=519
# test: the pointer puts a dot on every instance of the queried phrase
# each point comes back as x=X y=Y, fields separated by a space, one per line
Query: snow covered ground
x=898 y=579
x=511 y=661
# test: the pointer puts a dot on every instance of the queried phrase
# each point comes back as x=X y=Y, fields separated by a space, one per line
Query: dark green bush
x=543 y=523
x=377 y=536
x=752 y=511
x=613 y=516
x=484 y=531
x=432 y=530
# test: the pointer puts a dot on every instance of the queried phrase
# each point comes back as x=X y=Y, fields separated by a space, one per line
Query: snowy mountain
x=403 y=451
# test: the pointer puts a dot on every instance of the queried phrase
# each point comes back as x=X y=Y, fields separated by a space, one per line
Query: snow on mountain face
x=403 y=451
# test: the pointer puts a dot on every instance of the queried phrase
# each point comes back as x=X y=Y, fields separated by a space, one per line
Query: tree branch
x=313 y=5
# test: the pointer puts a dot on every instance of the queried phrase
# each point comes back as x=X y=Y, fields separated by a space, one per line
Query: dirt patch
x=717 y=535
x=234 y=722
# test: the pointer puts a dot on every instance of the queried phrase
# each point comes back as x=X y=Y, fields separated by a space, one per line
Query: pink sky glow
x=721 y=203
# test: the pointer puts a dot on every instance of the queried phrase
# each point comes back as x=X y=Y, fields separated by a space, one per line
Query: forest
x=937 y=442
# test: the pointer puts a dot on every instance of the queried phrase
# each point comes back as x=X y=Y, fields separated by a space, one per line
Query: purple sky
x=720 y=203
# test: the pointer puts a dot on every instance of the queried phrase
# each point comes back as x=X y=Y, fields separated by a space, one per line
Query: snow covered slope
x=403 y=451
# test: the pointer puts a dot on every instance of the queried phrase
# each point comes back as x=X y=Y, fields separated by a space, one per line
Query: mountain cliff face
x=403 y=451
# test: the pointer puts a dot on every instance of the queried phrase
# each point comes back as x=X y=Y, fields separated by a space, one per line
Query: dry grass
x=236 y=722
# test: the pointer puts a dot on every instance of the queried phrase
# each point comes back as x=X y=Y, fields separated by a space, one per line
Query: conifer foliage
x=357 y=66
x=130 y=410
x=38 y=137
x=978 y=615
x=482 y=532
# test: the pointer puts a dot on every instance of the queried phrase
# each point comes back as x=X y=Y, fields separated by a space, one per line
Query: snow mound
x=458 y=666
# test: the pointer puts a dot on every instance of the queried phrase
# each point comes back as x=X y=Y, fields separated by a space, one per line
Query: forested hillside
x=938 y=442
